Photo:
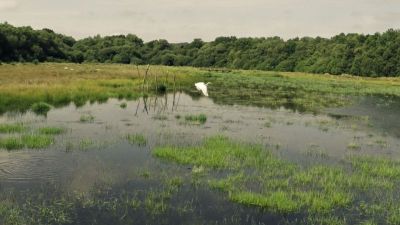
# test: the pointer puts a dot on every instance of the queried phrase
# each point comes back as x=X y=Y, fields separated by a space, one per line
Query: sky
x=184 y=20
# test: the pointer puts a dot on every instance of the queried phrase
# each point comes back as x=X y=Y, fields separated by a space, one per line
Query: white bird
x=201 y=86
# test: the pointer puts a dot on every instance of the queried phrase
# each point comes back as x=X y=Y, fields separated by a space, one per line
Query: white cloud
x=183 y=20
x=8 y=5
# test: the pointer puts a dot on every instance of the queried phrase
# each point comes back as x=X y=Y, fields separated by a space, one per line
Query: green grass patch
x=11 y=143
x=87 y=118
x=256 y=177
x=41 y=108
x=137 y=139
x=196 y=119
x=26 y=141
x=12 y=128
x=23 y=85
x=51 y=130
x=37 y=141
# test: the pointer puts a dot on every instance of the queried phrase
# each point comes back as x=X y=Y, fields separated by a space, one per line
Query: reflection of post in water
x=145 y=104
x=160 y=104
x=165 y=102
x=177 y=103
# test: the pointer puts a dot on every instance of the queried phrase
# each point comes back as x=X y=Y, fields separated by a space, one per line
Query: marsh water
x=95 y=157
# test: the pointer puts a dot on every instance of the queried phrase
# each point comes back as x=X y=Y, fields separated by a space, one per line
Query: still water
x=95 y=157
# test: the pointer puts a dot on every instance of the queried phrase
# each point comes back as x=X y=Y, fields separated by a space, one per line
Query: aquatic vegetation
x=297 y=91
x=268 y=124
x=11 y=143
x=85 y=143
x=120 y=208
x=37 y=141
x=51 y=130
x=324 y=190
x=256 y=177
x=382 y=143
x=316 y=151
x=354 y=146
x=123 y=105
x=32 y=141
x=12 y=128
x=87 y=118
x=160 y=117
x=137 y=139
x=161 y=88
x=196 y=119
x=41 y=108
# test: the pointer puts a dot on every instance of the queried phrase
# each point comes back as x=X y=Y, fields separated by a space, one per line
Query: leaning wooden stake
x=145 y=76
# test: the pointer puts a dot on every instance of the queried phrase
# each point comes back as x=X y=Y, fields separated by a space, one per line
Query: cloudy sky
x=184 y=20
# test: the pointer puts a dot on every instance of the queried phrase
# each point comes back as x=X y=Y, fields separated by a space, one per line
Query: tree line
x=358 y=54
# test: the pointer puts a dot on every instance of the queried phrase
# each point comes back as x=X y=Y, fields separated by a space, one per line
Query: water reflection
x=122 y=167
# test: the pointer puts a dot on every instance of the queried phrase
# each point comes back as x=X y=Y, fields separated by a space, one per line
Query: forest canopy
x=358 y=54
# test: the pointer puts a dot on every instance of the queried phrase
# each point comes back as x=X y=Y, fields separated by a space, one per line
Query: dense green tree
x=364 y=55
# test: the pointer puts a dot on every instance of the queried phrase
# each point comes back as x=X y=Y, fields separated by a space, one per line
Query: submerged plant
x=137 y=139
x=123 y=105
x=51 y=130
x=85 y=143
x=160 y=117
x=196 y=119
x=87 y=118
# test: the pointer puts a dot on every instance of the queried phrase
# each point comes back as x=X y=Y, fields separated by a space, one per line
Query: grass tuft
x=123 y=105
x=51 y=130
x=12 y=128
x=29 y=141
x=196 y=119
x=87 y=118
x=137 y=139
x=41 y=108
